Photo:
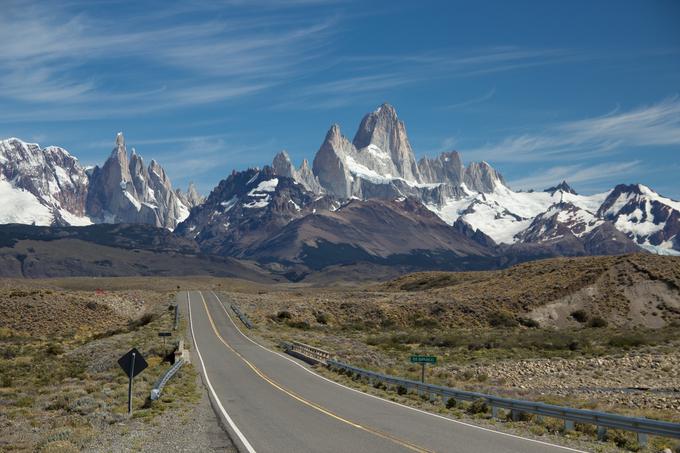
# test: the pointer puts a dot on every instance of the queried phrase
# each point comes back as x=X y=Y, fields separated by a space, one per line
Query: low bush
x=630 y=340
x=502 y=319
x=283 y=315
x=451 y=403
x=54 y=349
x=598 y=321
x=303 y=325
x=528 y=322
x=580 y=315
x=322 y=318
x=401 y=390
x=478 y=406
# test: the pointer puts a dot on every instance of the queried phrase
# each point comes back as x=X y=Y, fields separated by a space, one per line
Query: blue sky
x=580 y=90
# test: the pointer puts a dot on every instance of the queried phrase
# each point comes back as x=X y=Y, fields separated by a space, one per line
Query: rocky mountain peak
x=330 y=163
x=382 y=135
x=304 y=175
x=282 y=164
x=447 y=167
x=482 y=177
x=192 y=196
x=125 y=191
x=563 y=187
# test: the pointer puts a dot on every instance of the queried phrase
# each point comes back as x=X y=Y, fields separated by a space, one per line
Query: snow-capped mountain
x=576 y=231
x=49 y=187
x=380 y=164
x=125 y=191
x=45 y=186
x=247 y=208
x=651 y=220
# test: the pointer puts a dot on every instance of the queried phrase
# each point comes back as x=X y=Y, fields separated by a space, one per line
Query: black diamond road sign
x=125 y=363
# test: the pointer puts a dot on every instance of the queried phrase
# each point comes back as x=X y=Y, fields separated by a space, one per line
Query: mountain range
x=364 y=200
x=49 y=186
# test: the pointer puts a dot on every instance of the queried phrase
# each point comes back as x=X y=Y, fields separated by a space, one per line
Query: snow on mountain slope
x=650 y=219
x=504 y=213
x=49 y=177
x=559 y=220
x=21 y=206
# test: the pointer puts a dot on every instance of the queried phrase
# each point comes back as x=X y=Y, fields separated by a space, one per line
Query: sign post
x=164 y=335
x=422 y=360
x=132 y=364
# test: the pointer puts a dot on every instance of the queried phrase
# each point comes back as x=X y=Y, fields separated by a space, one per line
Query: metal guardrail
x=603 y=420
x=316 y=354
x=244 y=319
x=176 y=322
x=165 y=377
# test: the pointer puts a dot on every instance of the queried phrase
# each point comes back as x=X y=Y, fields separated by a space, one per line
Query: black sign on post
x=164 y=335
x=132 y=364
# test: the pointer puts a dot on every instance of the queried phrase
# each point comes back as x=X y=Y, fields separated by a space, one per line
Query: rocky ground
x=194 y=428
x=633 y=381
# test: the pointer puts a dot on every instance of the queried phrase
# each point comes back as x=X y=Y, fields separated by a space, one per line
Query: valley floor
x=61 y=389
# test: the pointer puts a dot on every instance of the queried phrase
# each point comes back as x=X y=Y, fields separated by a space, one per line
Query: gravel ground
x=178 y=431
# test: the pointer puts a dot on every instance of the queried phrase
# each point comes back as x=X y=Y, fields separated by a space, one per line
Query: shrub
x=322 y=318
x=54 y=349
x=145 y=319
x=401 y=390
x=304 y=325
x=428 y=323
x=91 y=305
x=598 y=321
x=451 y=403
x=580 y=315
x=283 y=314
x=502 y=319
x=478 y=406
x=631 y=340
x=528 y=322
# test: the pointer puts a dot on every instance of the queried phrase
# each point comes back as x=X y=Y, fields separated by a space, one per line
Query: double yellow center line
x=304 y=401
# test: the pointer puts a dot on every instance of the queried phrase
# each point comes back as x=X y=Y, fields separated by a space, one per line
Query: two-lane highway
x=273 y=403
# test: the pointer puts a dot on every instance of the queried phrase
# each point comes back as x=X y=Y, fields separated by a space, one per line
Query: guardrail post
x=515 y=415
x=642 y=439
x=568 y=425
x=433 y=397
x=494 y=411
x=601 y=433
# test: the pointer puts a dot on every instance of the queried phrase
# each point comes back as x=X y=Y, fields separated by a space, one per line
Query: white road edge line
x=233 y=426
x=386 y=400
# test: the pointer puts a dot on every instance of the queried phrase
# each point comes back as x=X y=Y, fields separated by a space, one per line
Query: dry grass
x=59 y=377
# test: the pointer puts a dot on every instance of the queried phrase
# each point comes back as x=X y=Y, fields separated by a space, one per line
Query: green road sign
x=423 y=359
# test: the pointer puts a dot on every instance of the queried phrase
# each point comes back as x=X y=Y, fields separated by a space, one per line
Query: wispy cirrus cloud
x=359 y=77
x=476 y=100
x=575 y=174
x=64 y=53
x=653 y=125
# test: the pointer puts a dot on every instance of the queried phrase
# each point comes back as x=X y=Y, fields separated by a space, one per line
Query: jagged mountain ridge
x=50 y=187
x=378 y=164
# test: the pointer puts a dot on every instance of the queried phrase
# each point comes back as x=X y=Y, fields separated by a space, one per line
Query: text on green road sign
x=423 y=359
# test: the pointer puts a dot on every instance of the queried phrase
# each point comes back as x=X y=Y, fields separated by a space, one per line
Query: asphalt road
x=270 y=402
